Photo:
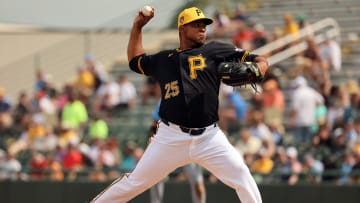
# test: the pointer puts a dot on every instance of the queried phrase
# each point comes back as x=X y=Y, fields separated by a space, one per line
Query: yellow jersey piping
x=244 y=56
x=139 y=65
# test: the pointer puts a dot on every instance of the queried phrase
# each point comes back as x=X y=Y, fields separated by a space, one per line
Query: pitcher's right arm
x=135 y=47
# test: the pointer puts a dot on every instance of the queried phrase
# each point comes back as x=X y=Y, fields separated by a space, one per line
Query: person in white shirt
x=304 y=102
x=127 y=93
x=107 y=96
x=330 y=53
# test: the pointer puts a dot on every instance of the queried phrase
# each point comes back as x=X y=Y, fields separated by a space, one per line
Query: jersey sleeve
x=229 y=52
x=143 y=64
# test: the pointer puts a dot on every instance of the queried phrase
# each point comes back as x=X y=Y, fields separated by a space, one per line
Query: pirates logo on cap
x=198 y=12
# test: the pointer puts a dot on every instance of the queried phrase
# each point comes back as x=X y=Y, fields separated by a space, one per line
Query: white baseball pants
x=169 y=149
x=194 y=175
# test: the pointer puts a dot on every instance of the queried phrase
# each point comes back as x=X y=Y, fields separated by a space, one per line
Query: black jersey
x=189 y=81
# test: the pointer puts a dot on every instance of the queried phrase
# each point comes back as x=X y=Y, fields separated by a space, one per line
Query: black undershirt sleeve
x=142 y=64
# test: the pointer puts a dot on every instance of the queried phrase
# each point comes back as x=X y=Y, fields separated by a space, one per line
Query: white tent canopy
x=84 y=14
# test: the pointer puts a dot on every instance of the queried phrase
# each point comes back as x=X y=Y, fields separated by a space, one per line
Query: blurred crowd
x=64 y=133
x=298 y=127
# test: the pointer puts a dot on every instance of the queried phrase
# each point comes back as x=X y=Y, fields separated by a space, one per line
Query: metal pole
x=87 y=42
x=37 y=62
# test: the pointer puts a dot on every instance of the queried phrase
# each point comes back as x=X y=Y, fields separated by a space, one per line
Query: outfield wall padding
x=82 y=192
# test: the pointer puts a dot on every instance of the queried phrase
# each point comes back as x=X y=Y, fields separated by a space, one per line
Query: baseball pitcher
x=189 y=78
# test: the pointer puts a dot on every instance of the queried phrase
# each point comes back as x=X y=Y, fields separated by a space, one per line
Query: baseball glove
x=239 y=73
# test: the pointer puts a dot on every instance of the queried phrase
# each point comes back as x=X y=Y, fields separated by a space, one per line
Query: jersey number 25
x=171 y=89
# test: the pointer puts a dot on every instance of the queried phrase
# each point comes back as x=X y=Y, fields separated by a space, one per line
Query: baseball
x=146 y=10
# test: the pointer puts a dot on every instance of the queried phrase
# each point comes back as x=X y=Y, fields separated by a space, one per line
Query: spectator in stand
x=304 y=101
x=94 y=150
x=240 y=13
x=59 y=153
x=44 y=84
x=22 y=112
x=330 y=53
x=322 y=142
x=340 y=143
x=259 y=129
x=72 y=160
x=320 y=117
x=50 y=88
x=312 y=169
x=3 y=172
x=260 y=37
x=64 y=98
x=282 y=167
x=37 y=129
x=74 y=113
x=233 y=108
x=85 y=82
x=47 y=108
x=336 y=106
x=97 y=69
x=33 y=133
x=304 y=24
x=55 y=169
x=97 y=174
x=129 y=160
x=151 y=89
x=68 y=135
x=262 y=166
x=355 y=142
x=221 y=26
x=127 y=93
x=243 y=37
x=107 y=96
x=323 y=147
x=98 y=128
x=290 y=26
x=350 y=134
x=355 y=175
x=257 y=126
x=5 y=111
x=12 y=167
x=247 y=143
x=38 y=166
x=346 y=167
x=277 y=131
x=114 y=148
x=295 y=165
x=46 y=143
x=312 y=60
x=40 y=83
x=84 y=149
x=227 y=25
x=352 y=111
x=105 y=158
x=273 y=99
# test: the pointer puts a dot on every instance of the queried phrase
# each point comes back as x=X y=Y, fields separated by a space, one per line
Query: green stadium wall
x=82 y=192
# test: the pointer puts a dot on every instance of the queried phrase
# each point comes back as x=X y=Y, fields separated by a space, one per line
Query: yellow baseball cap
x=192 y=14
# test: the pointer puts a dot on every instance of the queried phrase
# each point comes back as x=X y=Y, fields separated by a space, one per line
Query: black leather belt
x=190 y=131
